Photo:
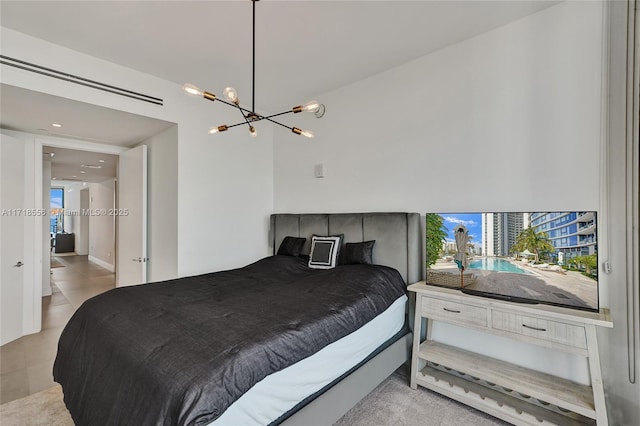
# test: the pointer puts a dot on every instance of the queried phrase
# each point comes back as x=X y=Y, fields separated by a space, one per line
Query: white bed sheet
x=281 y=391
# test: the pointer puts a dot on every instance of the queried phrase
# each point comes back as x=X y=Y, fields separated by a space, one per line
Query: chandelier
x=250 y=116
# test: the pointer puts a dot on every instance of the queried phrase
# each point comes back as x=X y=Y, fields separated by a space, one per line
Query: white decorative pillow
x=324 y=252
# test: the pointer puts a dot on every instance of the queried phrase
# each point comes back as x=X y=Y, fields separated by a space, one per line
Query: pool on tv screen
x=529 y=257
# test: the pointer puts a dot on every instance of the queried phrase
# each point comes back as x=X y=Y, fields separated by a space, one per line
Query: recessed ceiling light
x=56 y=124
x=100 y=161
x=54 y=178
x=74 y=176
x=82 y=171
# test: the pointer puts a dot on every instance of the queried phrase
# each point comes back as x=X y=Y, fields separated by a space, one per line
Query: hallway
x=26 y=364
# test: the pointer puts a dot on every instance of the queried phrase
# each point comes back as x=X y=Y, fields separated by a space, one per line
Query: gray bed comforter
x=182 y=351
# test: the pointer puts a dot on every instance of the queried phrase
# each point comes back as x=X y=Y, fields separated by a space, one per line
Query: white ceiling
x=35 y=112
x=70 y=165
x=303 y=48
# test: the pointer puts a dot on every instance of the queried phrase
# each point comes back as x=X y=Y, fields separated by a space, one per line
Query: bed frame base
x=335 y=402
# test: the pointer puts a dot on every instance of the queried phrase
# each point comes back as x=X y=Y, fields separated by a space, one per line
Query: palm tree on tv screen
x=535 y=242
x=436 y=235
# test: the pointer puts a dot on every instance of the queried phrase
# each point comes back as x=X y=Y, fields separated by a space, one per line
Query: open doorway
x=82 y=232
x=84 y=127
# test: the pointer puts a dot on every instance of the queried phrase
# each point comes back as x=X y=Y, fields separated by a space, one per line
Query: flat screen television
x=527 y=257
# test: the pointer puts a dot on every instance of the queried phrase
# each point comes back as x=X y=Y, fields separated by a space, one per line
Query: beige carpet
x=393 y=402
x=42 y=408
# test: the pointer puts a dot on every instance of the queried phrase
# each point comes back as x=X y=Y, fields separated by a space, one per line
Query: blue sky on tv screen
x=473 y=222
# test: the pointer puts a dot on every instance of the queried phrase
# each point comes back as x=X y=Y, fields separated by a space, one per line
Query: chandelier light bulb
x=190 y=89
x=311 y=106
x=218 y=129
x=253 y=132
x=305 y=133
x=231 y=94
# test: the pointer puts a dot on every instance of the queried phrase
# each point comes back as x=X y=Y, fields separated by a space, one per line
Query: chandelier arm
x=231 y=104
x=236 y=125
x=275 y=115
x=246 y=120
x=274 y=121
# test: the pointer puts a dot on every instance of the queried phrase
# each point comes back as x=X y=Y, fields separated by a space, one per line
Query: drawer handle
x=451 y=310
x=534 y=328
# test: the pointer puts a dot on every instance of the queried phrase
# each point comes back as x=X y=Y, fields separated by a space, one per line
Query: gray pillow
x=291 y=246
x=355 y=253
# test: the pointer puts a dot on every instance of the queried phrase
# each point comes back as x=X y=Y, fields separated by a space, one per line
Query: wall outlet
x=318 y=170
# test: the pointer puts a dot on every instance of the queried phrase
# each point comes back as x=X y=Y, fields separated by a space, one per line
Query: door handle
x=137 y=260
x=19 y=264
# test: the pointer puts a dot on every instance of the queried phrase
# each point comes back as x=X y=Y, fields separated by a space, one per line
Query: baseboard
x=105 y=265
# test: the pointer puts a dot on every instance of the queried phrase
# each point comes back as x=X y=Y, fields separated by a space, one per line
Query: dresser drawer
x=553 y=331
x=454 y=312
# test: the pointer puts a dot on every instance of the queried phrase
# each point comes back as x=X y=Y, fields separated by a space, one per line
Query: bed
x=270 y=343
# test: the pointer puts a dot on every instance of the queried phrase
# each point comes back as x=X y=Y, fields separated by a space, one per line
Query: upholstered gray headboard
x=398 y=235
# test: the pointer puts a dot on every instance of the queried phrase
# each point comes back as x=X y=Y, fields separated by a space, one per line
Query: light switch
x=318 y=170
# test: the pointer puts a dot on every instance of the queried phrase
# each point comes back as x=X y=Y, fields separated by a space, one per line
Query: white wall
x=225 y=183
x=102 y=227
x=162 y=208
x=503 y=121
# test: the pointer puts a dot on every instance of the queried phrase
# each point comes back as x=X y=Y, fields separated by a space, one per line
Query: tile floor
x=26 y=364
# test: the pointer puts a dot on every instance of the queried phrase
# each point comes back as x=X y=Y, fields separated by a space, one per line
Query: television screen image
x=528 y=257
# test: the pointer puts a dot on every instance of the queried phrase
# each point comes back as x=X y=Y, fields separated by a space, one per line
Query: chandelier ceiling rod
x=253 y=61
x=250 y=116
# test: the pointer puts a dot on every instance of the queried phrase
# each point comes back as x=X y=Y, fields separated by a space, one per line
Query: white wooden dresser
x=513 y=393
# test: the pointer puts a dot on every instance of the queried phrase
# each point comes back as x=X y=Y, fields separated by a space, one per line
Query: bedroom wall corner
x=225 y=196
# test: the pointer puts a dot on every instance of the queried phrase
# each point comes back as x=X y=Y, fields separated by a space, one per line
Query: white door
x=131 y=268
x=12 y=223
